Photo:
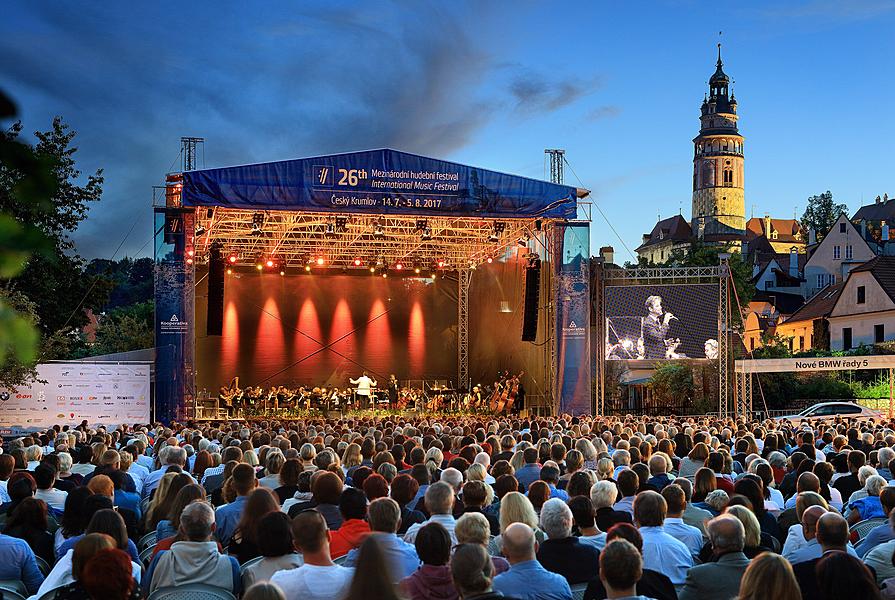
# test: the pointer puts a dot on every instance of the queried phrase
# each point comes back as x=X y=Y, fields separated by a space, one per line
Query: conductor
x=655 y=329
x=365 y=386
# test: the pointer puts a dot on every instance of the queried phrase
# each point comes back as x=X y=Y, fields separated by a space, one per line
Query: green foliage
x=131 y=280
x=701 y=255
x=821 y=213
x=672 y=383
x=772 y=346
x=125 y=329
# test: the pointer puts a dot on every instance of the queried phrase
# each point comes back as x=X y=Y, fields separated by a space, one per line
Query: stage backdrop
x=322 y=329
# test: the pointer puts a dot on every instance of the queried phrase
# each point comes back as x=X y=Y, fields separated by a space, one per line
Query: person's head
x=109 y=522
x=86 y=548
x=516 y=508
x=44 y=476
x=260 y=502
x=472 y=528
x=769 y=577
x=475 y=494
x=675 y=499
x=809 y=520
x=654 y=305
x=751 y=527
x=372 y=575
x=628 y=483
x=650 y=509
x=310 y=533
x=186 y=495
x=538 y=493
x=471 y=570
x=603 y=494
x=102 y=485
x=108 y=574
x=31 y=513
x=840 y=575
x=275 y=534
x=831 y=531
x=244 y=480
x=352 y=504
x=264 y=590
x=621 y=567
x=727 y=534
x=197 y=522
x=806 y=500
x=326 y=487
x=583 y=513
x=384 y=515
x=518 y=542
x=556 y=519
x=704 y=483
x=404 y=489
x=433 y=544
x=440 y=498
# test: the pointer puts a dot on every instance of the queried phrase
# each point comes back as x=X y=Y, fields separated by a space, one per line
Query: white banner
x=102 y=393
x=826 y=363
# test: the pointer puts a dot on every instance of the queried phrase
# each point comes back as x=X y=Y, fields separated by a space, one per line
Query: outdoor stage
x=303 y=274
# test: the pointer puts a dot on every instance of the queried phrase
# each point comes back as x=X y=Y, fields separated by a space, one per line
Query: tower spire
x=720 y=64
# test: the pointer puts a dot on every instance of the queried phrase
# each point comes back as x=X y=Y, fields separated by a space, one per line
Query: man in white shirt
x=319 y=578
x=45 y=477
x=365 y=387
x=440 y=504
x=674 y=523
x=661 y=551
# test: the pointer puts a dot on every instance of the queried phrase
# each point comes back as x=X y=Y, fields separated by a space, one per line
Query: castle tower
x=719 y=207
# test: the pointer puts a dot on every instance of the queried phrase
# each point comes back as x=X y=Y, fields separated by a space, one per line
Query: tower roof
x=720 y=77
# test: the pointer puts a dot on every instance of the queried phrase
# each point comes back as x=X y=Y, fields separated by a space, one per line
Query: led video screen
x=661 y=322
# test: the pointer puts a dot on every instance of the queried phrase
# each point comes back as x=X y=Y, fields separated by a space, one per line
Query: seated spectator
x=383 y=516
x=273 y=463
x=372 y=575
x=288 y=479
x=658 y=469
x=628 y=484
x=527 y=579
x=550 y=476
x=45 y=478
x=432 y=580
x=169 y=526
x=403 y=490
x=264 y=591
x=538 y=494
x=812 y=549
x=621 y=567
x=884 y=532
x=107 y=574
x=440 y=504
x=869 y=507
x=693 y=515
x=832 y=535
x=104 y=519
x=29 y=522
x=561 y=553
x=674 y=523
x=661 y=552
x=17 y=563
x=277 y=546
x=515 y=508
x=602 y=495
x=196 y=559
x=795 y=537
x=473 y=528
x=376 y=486
x=716 y=502
x=326 y=489
x=719 y=579
x=694 y=461
x=472 y=573
x=849 y=484
x=228 y=516
x=353 y=508
x=245 y=541
x=530 y=471
x=68 y=568
x=163 y=500
x=583 y=515
x=840 y=575
x=704 y=483
x=769 y=577
x=474 y=497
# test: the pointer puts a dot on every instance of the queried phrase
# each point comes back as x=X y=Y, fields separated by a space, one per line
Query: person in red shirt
x=353 y=506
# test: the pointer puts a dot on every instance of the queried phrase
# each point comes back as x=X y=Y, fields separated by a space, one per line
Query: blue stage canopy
x=378 y=181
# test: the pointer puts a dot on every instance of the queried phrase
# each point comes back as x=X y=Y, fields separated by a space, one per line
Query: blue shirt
x=530 y=581
x=691 y=536
x=869 y=507
x=557 y=493
x=17 y=563
x=69 y=544
x=227 y=518
x=528 y=474
x=813 y=550
x=665 y=554
x=164 y=530
x=399 y=554
x=878 y=535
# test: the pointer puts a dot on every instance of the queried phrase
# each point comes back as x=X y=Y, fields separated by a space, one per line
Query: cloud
x=604 y=112
x=535 y=94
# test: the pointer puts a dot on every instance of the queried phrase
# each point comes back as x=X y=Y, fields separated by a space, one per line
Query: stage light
x=189 y=261
x=416 y=270
x=308 y=268
x=259 y=267
x=269 y=263
x=523 y=241
x=200 y=231
x=232 y=258
x=229 y=271
x=320 y=261
x=282 y=273
x=341 y=224
x=357 y=262
x=421 y=224
x=372 y=269
x=489 y=260
x=379 y=262
x=257 y=223
x=377 y=231
x=190 y=252
x=427 y=235
x=441 y=264
x=496 y=231
x=399 y=266
x=385 y=275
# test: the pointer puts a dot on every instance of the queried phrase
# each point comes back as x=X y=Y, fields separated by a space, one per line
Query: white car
x=830 y=410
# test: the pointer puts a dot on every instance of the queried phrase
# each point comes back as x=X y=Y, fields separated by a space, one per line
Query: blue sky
x=617 y=85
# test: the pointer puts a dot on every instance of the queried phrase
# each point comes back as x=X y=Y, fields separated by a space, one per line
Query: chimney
x=645 y=238
x=767 y=225
x=607 y=253
x=877 y=199
x=885 y=198
x=794 y=262
x=812 y=236
x=885 y=234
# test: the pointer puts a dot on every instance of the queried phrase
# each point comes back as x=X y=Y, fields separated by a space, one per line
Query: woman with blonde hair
x=352 y=458
x=515 y=508
x=769 y=577
x=152 y=514
x=587 y=450
x=605 y=469
x=574 y=463
x=518 y=460
x=434 y=460
x=250 y=458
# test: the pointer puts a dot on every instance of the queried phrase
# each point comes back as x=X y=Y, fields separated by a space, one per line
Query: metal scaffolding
x=464 y=276
x=724 y=284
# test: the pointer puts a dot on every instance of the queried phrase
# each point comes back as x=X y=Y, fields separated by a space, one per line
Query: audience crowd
x=457 y=507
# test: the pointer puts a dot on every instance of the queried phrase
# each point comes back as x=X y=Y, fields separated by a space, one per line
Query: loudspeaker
x=530 y=309
x=215 y=316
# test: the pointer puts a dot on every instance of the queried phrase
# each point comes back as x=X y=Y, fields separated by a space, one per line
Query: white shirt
x=364 y=385
x=665 y=554
x=314 y=582
x=795 y=540
x=61 y=575
x=53 y=497
x=597 y=541
x=447 y=520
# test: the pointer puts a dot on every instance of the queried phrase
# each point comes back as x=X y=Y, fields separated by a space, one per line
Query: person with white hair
x=484 y=459
x=561 y=552
x=864 y=473
x=603 y=495
x=453 y=478
x=870 y=506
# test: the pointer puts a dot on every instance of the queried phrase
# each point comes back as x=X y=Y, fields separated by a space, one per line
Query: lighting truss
x=291 y=237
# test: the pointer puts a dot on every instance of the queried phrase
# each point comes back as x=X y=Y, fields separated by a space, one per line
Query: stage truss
x=720 y=275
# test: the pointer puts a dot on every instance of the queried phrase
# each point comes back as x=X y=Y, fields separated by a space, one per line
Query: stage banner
x=571 y=265
x=174 y=314
x=381 y=182
x=67 y=393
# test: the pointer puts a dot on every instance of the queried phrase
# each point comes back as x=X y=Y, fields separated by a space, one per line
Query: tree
x=701 y=255
x=821 y=213
x=125 y=329
x=672 y=384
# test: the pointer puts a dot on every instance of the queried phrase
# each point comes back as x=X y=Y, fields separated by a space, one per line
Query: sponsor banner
x=66 y=393
x=378 y=181
x=571 y=256
x=805 y=365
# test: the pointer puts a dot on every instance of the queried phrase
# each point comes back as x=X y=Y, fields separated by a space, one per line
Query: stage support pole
x=891 y=396
x=464 y=276
x=723 y=336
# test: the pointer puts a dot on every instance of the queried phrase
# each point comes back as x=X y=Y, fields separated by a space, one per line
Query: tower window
x=728 y=177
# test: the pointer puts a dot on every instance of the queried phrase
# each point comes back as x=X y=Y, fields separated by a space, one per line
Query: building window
x=820 y=280
x=728 y=177
x=801 y=343
x=848 y=253
x=837 y=252
x=879 y=333
x=862 y=295
x=842 y=227
x=751 y=344
x=846 y=338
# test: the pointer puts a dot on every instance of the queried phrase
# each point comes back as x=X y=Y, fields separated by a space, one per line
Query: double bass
x=513 y=387
x=497 y=397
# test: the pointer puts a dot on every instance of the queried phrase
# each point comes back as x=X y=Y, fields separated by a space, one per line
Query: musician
x=519 y=404
x=365 y=387
x=655 y=328
x=392 y=391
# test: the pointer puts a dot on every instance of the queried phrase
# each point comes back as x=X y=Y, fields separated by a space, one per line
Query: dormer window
x=774 y=235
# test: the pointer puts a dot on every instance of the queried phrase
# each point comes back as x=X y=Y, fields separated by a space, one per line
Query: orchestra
x=502 y=398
